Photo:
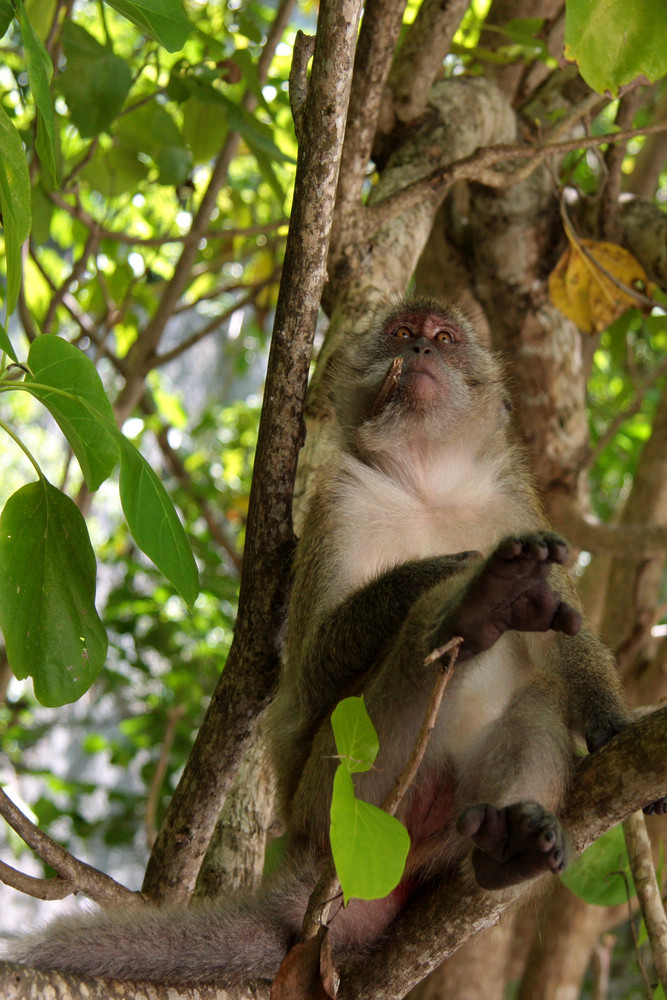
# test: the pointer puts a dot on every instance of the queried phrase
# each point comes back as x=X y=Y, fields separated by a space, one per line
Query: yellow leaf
x=583 y=283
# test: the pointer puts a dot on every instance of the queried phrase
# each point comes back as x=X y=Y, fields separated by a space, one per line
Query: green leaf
x=47 y=594
x=14 y=203
x=40 y=71
x=369 y=846
x=356 y=739
x=601 y=875
x=114 y=172
x=42 y=209
x=95 y=82
x=164 y=20
x=204 y=128
x=150 y=129
x=615 y=41
x=174 y=164
x=54 y=362
x=154 y=523
x=6 y=15
x=659 y=993
x=85 y=417
x=6 y=344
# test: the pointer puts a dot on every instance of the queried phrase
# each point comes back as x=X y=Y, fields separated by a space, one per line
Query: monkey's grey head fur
x=458 y=376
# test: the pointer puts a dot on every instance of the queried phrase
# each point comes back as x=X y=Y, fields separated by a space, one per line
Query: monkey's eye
x=403 y=331
x=444 y=337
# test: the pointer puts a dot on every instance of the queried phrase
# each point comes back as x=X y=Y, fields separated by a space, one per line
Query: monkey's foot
x=511 y=591
x=513 y=844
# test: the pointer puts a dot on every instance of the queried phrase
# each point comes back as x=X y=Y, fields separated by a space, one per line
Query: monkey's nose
x=422 y=346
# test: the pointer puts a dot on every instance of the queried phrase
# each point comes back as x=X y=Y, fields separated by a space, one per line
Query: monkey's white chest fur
x=430 y=509
x=438 y=508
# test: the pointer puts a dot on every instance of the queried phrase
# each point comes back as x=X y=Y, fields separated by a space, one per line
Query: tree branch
x=625 y=541
x=79 y=876
x=39 y=888
x=379 y=33
x=138 y=358
x=479 y=166
x=618 y=779
x=648 y=891
x=609 y=785
x=212 y=325
x=252 y=667
x=419 y=59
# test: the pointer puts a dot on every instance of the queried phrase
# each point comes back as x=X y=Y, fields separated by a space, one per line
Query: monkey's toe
x=657 y=808
x=512 y=844
x=526 y=551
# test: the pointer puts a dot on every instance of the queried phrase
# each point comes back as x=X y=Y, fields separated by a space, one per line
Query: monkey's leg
x=515 y=772
x=511 y=591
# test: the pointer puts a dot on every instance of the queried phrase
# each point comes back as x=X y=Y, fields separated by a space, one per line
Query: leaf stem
x=26 y=451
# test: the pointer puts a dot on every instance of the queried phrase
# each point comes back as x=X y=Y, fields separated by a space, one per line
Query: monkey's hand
x=511 y=591
x=513 y=844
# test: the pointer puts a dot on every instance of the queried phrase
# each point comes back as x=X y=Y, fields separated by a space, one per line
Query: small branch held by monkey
x=388 y=387
x=328 y=888
x=452 y=647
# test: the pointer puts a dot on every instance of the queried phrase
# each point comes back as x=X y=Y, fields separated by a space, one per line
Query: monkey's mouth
x=421 y=375
x=421 y=384
x=419 y=369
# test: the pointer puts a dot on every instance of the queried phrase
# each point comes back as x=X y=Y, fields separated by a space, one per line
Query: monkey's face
x=427 y=345
x=420 y=373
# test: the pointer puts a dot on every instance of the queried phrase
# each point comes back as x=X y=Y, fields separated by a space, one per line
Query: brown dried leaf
x=306 y=972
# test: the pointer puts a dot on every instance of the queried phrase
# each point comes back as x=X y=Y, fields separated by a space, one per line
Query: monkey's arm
x=357 y=633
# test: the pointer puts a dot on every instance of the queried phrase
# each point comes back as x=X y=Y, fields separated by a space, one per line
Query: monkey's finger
x=566 y=620
x=544 y=546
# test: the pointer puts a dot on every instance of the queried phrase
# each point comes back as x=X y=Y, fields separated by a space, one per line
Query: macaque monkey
x=424 y=526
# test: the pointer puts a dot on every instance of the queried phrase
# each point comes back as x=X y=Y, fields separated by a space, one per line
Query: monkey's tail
x=243 y=940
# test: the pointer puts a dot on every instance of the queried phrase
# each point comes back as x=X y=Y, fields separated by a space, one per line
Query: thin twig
x=83 y=877
x=212 y=325
x=39 y=888
x=393 y=800
x=328 y=888
x=81 y=318
x=78 y=268
x=173 y=716
x=478 y=166
x=185 y=479
x=648 y=891
x=635 y=407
